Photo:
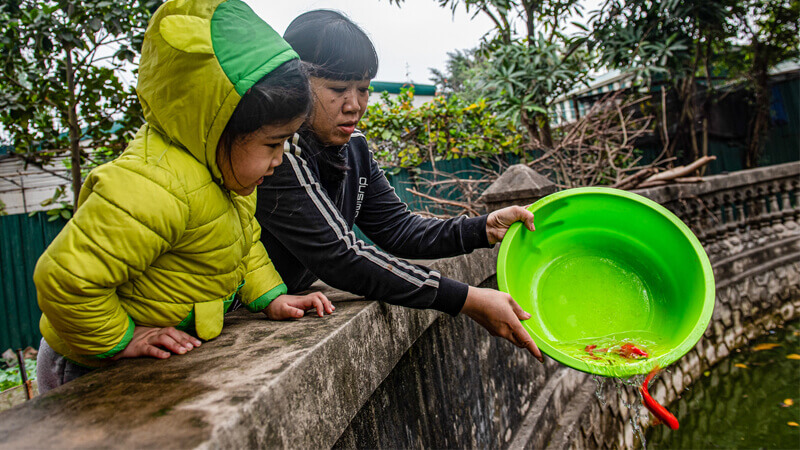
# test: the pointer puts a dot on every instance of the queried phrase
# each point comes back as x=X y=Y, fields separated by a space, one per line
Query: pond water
x=749 y=400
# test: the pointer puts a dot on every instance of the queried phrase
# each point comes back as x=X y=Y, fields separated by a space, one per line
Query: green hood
x=198 y=58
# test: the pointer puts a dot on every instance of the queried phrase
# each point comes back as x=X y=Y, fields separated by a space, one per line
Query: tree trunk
x=74 y=132
x=531 y=128
x=759 y=123
x=545 y=134
x=685 y=136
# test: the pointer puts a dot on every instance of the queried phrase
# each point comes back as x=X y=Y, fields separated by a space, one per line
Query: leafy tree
x=678 y=42
x=528 y=68
x=447 y=127
x=771 y=30
x=460 y=72
x=669 y=42
x=63 y=85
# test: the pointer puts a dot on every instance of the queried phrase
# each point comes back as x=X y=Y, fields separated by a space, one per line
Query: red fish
x=658 y=411
x=631 y=351
x=590 y=349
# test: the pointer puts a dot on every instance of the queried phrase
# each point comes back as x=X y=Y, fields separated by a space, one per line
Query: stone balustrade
x=376 y=375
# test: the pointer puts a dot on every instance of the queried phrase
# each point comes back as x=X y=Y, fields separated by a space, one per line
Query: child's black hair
x=333 y=46
x=278 y=98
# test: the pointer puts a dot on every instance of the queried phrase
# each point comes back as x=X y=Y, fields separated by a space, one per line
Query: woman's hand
x=500 y=315
x=498 y=222
x=295 y=306
x=148 y=341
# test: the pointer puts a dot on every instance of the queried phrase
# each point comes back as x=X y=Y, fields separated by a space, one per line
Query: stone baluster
x=752 y=210
x=697 y=213
x=728 y=221
x=711 y=222
x=680 y=209
x=763 y=219
x=786 y=200
x=774 y=208
x=713 y=217
x=743 y=209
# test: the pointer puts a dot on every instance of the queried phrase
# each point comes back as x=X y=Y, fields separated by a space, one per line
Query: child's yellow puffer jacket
x=156 y=240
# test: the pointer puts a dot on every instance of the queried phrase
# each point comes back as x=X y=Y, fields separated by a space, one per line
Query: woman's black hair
x=332 y=45
x=276 y=99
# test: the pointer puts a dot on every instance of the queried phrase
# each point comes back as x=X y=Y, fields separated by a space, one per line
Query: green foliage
x=771 y=31
x=679 y=42
x=526 y=70
x=445 y=128
x=3 y=209
x=66 y=72
x=675 y=39
x=525 y=77
x=660 y=39
x=462 y=71
x=64 y=209
x=11 y=377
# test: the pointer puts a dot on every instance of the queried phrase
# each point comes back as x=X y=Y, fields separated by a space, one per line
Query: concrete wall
x=375 y=375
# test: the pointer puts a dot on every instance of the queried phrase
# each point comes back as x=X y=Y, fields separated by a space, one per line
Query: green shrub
x=402 y=135
x=10 y=377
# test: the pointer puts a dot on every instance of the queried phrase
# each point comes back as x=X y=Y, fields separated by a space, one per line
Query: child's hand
x=500 y=315
x=146 y=342
x=295 y=306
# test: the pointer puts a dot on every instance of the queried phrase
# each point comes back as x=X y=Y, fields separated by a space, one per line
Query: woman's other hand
x=158 y=343
x=295 y=306
x=498 y=222
x=500 y=315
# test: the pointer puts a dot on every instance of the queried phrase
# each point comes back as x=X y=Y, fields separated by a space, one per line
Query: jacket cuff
x=450 y=297
x=474 y=232
x=262 y=302
x=126 y=339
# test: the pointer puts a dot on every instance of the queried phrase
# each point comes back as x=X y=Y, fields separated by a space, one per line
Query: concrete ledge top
x=260 y=383
x=716 y=183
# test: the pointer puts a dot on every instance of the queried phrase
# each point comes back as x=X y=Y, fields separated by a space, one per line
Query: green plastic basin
x=607 y=267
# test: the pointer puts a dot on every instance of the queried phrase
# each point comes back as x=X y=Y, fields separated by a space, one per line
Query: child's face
x=338 y=106
x=255 y=156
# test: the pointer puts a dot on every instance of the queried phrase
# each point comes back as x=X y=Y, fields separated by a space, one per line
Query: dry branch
x=464 y=206
x=655 y=183
x=634 y=179
x=681 y=171
x=598 y=149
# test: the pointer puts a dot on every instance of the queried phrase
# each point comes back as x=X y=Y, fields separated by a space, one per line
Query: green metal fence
x=22 y=241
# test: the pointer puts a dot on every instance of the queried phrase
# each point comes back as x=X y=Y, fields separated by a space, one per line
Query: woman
x=329 y=181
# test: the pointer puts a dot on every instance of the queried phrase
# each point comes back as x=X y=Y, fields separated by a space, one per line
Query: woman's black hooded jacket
x=307 y=209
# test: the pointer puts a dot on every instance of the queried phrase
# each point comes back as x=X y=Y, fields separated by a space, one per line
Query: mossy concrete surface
x=259 y=384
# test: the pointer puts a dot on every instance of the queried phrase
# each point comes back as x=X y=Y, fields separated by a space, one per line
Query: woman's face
x=255 y=156
x=338 y=106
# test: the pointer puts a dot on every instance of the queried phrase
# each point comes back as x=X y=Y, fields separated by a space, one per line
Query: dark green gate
x=22 y=240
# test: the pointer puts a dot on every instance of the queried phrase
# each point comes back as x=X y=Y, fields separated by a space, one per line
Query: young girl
x=164 y=239
x=330 y=181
